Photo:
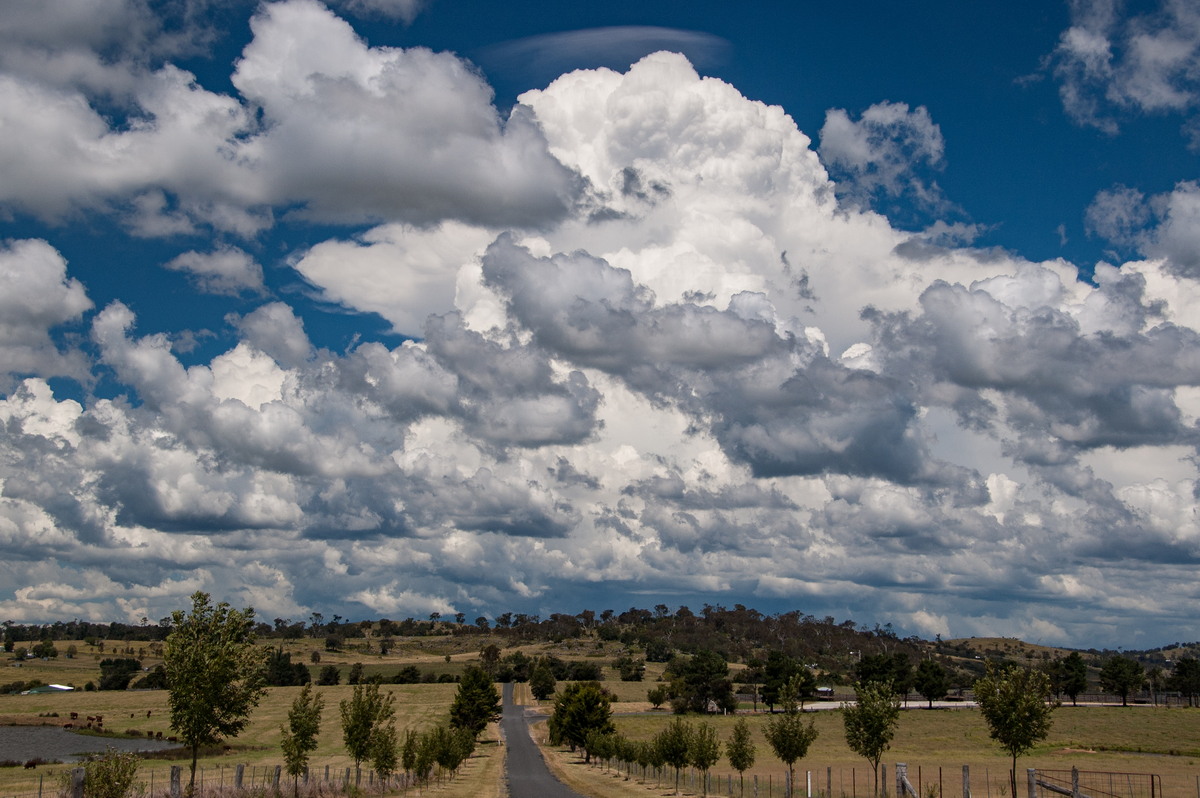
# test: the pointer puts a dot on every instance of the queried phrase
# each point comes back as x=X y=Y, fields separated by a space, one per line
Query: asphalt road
x=526 y=771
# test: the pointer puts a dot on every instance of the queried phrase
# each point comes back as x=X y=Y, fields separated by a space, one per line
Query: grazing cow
x=148 y=713
x=172 y=739
x=158 y=735
x=68 y=725
x=74 y=716
x=30 y=764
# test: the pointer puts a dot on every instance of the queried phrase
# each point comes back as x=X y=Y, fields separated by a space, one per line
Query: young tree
x=657 y=696
x=703 y=752
x=1015 y=703
x=110 y=775
x=214 y=673
x=1121 y=675
x=931 y=681
x=673 y=745
x=384 y=752
x=871 y=723
x=741 y=752
x=299 y=736
x=788 y=735
x=477 y=703
x=365 y=715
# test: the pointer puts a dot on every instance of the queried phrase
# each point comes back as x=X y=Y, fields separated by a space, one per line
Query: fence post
x=901 y=775
x=1074 y=782
x=238 y=773
x=828 y=782
x=883 y=777
x=1031 y=775
x=176 y=773
x=966 y=781
x=77 y=775
x=275 y=777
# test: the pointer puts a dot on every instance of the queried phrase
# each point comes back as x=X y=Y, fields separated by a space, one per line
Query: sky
x=881 y=311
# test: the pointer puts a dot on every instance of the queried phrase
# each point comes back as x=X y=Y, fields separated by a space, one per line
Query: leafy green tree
x=931 y=681
x=780 y=669
x=580 y=708
x=657 y=696
x=741 y=752
x=384 y=753
x=673 y=745
x=364 y=715
x=1186 y=678
x=299 y=736
x=871 y=722
x=109 y=775
x=788 y=735
x=703 y=751
x=214 y=673
x=282 y=672
x=329 y=676
x=702 y=679
x=1074 y=675
x=542 y=682
x=477 y=703
x=115 y=674
x=893 y=669
x=356 y=674
x=1121 y=675
x=1015 y=704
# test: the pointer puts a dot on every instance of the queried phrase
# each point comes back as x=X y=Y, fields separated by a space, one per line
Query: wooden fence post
x=77 y=775
x=239 y=773
x=966 y=781
x=1031 y=775
x=176 y=775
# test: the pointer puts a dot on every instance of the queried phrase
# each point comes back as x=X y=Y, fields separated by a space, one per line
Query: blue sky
x=385 y=308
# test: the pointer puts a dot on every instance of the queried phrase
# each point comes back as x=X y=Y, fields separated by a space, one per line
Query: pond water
x=23 y=743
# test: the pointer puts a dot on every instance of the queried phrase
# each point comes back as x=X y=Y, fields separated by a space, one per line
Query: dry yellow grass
x=936 y=745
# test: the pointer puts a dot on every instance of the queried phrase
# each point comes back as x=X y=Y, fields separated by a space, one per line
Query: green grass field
x=1135 y=739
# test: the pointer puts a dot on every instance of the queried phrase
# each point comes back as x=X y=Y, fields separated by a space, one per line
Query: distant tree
x=580 y=708
x=630 y=669
x=894 y=669
x=740 y=751
x=777 y=672
x=281 y=672
x=364 y=716
x=657 y=696
x=787 y=734
x=1014 y=702
x=931 y=681
x=214 y=674
x=116 y=673
x=489 y=658
x=1186 y=678
x=477 y=703
x=299 y=736
x=1121 y=675
x=702 y=679
x=356 y=674
x=673 y=745
x=542 y=681
x=871 y=722
x=703 y=751
x=1074 y=675
x=329 y=676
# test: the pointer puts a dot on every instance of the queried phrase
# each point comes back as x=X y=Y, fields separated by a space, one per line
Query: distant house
x=49 y=688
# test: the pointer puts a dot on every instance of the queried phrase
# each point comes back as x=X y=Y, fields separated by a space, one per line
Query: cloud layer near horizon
x=657 y=351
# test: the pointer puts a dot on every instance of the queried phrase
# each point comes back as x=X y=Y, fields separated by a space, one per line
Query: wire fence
x=229 y=781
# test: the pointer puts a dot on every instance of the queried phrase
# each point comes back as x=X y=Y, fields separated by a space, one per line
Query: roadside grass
x=417 y=707
x=935 y=744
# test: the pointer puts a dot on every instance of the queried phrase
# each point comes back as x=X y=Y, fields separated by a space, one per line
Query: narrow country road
x=526 y=771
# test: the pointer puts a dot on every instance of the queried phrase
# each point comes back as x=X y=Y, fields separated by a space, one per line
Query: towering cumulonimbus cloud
x=640 y=341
